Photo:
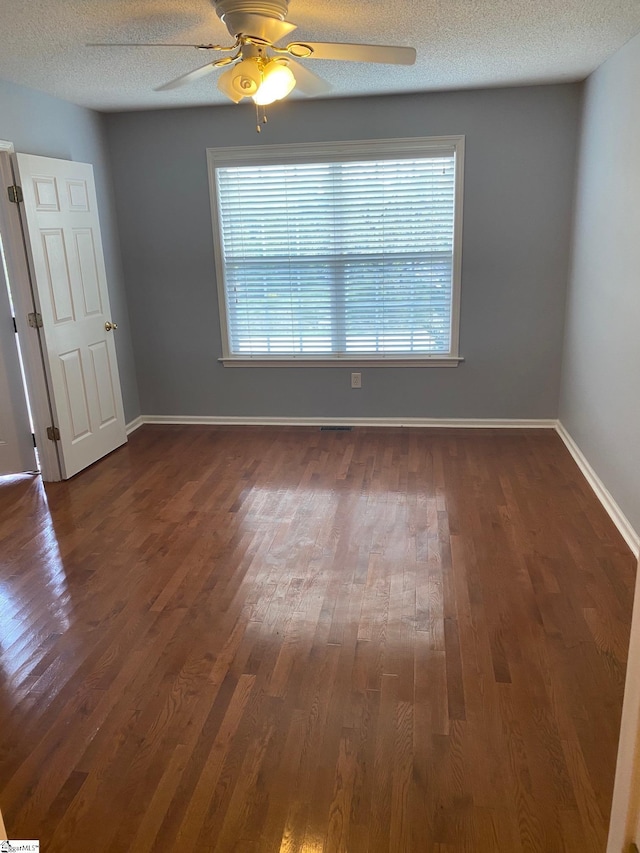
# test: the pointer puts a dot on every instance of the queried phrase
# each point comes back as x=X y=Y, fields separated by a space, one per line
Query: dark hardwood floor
x=294 y=640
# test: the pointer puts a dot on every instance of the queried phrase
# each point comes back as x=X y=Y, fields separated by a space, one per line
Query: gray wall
x=39 y=124
x=520 y=150
x=600 y=399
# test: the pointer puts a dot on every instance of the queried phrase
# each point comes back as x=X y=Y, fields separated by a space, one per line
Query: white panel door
x=66 y=249
x=16 y=442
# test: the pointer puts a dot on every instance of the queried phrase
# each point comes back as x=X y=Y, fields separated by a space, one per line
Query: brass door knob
x=108 y=326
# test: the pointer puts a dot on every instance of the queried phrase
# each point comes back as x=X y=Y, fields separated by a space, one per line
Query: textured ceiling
x=460 y=44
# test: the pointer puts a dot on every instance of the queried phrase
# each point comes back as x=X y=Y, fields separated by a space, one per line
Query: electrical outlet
x=356 y=380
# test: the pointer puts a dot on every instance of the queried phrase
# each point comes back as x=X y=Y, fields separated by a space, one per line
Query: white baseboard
x=620 y=520
x=133 y=425
x=449 y=423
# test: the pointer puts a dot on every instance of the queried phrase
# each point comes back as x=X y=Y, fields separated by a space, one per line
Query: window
x=341 y=252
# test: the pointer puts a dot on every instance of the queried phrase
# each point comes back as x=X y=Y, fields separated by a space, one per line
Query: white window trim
x=311 y=152
x=339 y=361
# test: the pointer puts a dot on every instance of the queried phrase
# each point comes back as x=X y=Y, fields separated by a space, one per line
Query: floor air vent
x=337 y=428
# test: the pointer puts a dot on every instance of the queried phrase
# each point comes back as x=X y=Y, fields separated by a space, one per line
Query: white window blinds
x=339 y=259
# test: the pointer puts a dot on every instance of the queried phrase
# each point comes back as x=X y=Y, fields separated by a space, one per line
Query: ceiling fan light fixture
x=241 y=81
x=277 y=82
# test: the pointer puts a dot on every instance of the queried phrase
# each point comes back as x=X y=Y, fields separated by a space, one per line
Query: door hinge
x=33 y=438
x=35 y=320
x=15 y=194
x=53 y=433
x=15 y=328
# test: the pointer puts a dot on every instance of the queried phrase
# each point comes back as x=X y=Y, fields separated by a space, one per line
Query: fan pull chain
x=264 y=118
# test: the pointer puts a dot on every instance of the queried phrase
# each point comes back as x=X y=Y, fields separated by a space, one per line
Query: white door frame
x=24 y=300
x=624 y=827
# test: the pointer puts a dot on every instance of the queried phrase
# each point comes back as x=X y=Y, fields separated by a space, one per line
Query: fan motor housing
x=267 y=8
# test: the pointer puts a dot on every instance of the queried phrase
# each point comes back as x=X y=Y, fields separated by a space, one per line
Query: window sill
x=260 y=361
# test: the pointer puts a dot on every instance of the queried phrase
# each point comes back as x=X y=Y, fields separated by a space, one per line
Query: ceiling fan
x=258 y=68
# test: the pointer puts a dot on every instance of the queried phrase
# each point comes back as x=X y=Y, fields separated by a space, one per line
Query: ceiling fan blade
x=189 y=77
x=307 y=81
x=280 y=29
x=158 y=44
x=359 y=52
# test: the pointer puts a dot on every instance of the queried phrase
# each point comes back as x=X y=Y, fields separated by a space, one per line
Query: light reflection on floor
x=24 y=632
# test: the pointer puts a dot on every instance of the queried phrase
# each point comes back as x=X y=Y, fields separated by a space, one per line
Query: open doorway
x=25 y=402
x=18 y=312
